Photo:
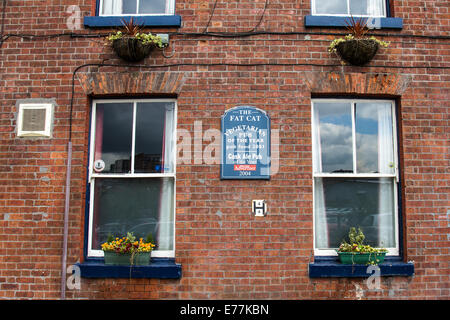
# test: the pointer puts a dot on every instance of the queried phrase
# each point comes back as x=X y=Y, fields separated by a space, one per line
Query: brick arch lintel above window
x=356 y=83
x=132 y=83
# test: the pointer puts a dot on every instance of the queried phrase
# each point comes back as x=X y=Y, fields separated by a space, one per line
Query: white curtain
x=165 y=230
x=168 y=140
x=385 y=139
x=385 y=165
x=375 y=8
x=112 y=7
x=166 y=221
x=386 y=213
x=321 y=225
x=317 y=161
x=321 y=229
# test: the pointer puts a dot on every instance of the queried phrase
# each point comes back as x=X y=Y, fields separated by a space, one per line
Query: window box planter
x=127 y=251
x=356 y=252
x=361 y=258
x=126 y=259
x=357 y=52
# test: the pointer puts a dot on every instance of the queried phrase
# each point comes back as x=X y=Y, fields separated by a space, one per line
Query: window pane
x=373 y=8
x=342 y=203
x=331 y=7
x=333 y=125
x=113 y=136
x=129 y=6
x=115 y=7
x=359 y=7
x=374 y=142
x=154 y=131
x=141 y=206
x=152 y=6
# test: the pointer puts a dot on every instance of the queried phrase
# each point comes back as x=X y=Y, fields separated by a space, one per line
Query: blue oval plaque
x=245 y=144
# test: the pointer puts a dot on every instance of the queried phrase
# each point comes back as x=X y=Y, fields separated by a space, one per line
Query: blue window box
x=146 y=21
x=161 y=268
x=335 y=21
x=330 y=267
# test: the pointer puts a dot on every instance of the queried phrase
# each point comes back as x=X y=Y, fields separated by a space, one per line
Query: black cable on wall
x=2 y=28
x=28 y=36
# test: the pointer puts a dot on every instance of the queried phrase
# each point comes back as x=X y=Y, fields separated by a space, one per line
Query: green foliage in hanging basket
x=334 y=44
x=144 y=38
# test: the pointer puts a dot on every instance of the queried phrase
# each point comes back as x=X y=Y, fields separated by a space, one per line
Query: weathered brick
x=227 y=254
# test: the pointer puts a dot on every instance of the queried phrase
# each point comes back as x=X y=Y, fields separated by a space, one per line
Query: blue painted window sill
x=146 y=21
x=333 y=21
x=160 y=268
x=330 y=267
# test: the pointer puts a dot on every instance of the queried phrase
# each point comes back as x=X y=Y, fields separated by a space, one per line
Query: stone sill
x=330 y=267
x=160 y=268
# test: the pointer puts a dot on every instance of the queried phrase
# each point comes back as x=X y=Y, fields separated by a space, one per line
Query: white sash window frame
x=372 y=6
x=319 y=230
x=113 y=8
x=169 y=147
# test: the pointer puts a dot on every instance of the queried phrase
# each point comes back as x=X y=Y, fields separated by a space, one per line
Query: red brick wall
x=224 y=251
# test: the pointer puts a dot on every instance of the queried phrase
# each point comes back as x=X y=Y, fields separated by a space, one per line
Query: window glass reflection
x=152 y=6
x=334 y=126
x=358 y=7
x=141 y=206
x=129 y=6
x=374 y=141
x=113 y=136
x=150 y=124
x=331 y=7
x=341 y=203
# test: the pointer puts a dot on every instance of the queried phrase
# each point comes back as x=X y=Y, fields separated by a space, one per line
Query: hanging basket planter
x=132 y=49
x=356 y=48
x=132 y=44
x=357 y=52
